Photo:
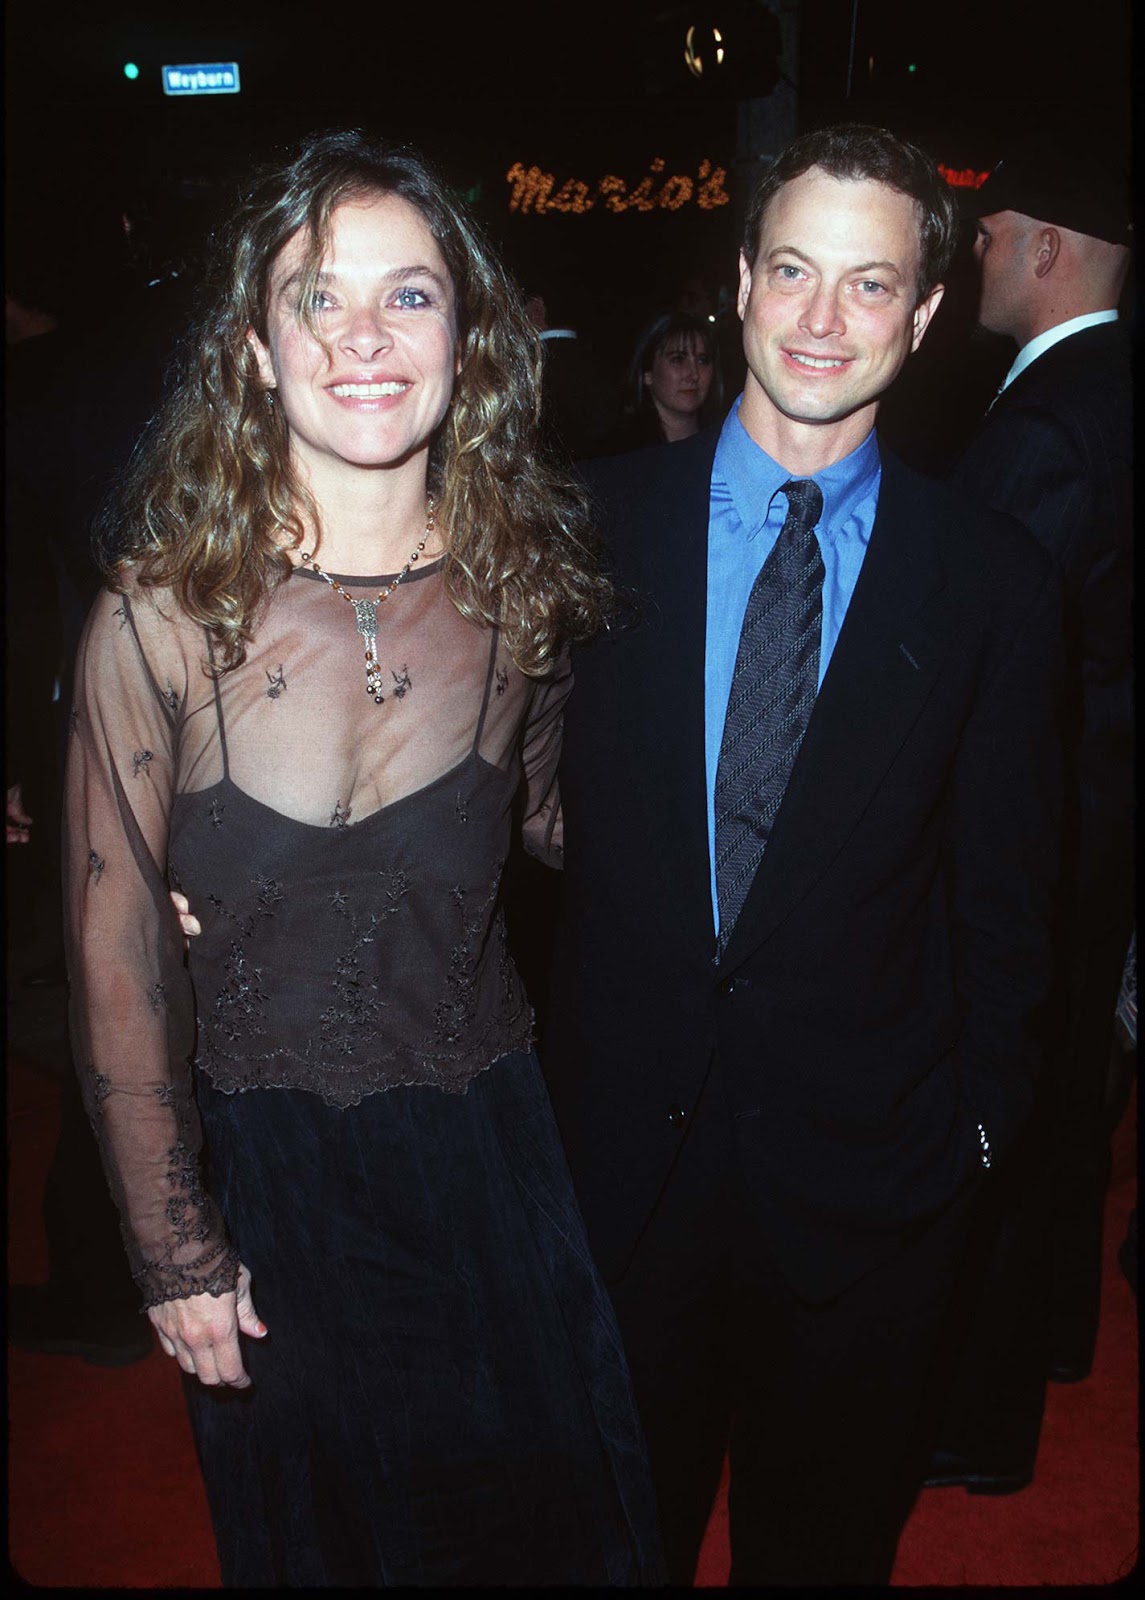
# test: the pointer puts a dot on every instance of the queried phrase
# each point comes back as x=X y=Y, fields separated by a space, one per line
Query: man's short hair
x=853 y=151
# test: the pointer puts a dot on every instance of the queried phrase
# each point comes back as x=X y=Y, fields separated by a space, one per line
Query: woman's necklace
x=366 y=611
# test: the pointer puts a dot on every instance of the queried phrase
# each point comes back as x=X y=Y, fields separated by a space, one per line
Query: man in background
x=1054 y=450
x=577 y=403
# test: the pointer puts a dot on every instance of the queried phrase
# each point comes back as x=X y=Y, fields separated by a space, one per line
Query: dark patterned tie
x=773 y=690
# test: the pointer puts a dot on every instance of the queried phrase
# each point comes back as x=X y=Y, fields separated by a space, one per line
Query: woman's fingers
x=249 y=1320
x=202 y=1333
x=226 y=1362
x=190 y=924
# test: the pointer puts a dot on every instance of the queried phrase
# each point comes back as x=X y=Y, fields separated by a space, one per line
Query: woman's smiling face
x=372 y=388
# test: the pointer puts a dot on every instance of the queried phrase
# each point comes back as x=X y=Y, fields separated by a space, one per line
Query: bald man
x=1054 y=450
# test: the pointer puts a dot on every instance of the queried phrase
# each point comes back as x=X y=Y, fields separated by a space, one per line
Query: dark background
x=579 y=90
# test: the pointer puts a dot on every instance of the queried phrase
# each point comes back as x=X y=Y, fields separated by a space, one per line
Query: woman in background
x=672 y=387
x=327 y=672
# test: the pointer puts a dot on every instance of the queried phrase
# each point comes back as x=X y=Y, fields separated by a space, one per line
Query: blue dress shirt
x=745 y=516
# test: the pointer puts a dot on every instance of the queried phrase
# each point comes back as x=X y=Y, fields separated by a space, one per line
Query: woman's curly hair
x=211 y=488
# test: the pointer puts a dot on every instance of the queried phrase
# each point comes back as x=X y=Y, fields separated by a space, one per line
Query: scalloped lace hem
x=343 y=1087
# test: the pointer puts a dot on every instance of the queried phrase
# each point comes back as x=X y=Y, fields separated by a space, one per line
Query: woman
x=670 y=379
x=328 y=667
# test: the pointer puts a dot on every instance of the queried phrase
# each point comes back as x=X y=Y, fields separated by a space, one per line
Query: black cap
x=1065 y=187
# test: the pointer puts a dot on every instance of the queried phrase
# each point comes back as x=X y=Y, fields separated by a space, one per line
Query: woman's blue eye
x=410 y=299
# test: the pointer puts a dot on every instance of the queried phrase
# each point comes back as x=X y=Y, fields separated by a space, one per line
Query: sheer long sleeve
x=132 y=1012
x=542 y=825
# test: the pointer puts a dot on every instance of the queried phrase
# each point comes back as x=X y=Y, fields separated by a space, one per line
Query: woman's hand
x=202 y=1332
x=187 y=922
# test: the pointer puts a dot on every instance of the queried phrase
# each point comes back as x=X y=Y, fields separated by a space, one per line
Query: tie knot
x=804 y=501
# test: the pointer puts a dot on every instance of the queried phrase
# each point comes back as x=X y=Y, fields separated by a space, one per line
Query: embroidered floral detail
x=397 y=886
x=502 y=680
x=241 y=1002
x=186 y=1209
x=95 y=865
x=171 y=696
x=367 y=1032
x=96 y=1087
x=402 y=682
x=356 y=1016
x=165 y=1094
x=157 y=996
x=453 y=1014
x=214 y=1271
x=240 y=1005
x=276 y=682
x=121 y=613
x=217 y=814
x=141 y=762
x=269 y=894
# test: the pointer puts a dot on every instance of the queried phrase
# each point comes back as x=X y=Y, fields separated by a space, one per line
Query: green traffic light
x=913 y=67
x=130 y=70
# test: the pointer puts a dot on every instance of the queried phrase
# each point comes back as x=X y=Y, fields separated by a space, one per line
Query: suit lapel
x=662 y=685
x=885 y=662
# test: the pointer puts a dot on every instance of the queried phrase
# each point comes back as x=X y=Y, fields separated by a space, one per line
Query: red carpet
x=104 y=1489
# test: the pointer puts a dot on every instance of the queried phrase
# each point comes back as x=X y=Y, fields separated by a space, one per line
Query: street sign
x=216 y=77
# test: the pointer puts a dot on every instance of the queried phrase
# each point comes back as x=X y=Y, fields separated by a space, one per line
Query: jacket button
x=730 y=985
x=677 y=1116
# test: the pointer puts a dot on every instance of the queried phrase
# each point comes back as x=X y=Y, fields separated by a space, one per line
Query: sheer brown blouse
x=344 y=858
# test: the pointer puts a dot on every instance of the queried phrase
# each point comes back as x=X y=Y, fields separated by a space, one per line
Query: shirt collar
x=752 y=477
x=1045 y=341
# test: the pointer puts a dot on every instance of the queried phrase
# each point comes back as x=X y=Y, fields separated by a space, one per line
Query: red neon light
x=965 y=178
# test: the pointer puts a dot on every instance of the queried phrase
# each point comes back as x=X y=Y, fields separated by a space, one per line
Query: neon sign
x=965 y=178
x=536 y=191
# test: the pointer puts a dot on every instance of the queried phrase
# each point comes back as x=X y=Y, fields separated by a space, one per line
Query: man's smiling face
x=829 y=309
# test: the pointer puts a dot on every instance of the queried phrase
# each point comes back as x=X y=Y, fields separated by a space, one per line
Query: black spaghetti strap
x=215 y=676
x=494 y=636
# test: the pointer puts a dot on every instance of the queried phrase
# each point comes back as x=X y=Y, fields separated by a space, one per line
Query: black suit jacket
x=1055 y=450
x=881 y=990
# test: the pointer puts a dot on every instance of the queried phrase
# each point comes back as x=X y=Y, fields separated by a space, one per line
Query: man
x=575 y=406
x=1055 y=451
x=782 y=1073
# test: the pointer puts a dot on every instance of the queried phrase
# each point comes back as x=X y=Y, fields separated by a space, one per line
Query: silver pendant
x=366 y=612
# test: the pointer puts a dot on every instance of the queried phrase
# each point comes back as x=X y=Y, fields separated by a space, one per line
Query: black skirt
x=442 y=1397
